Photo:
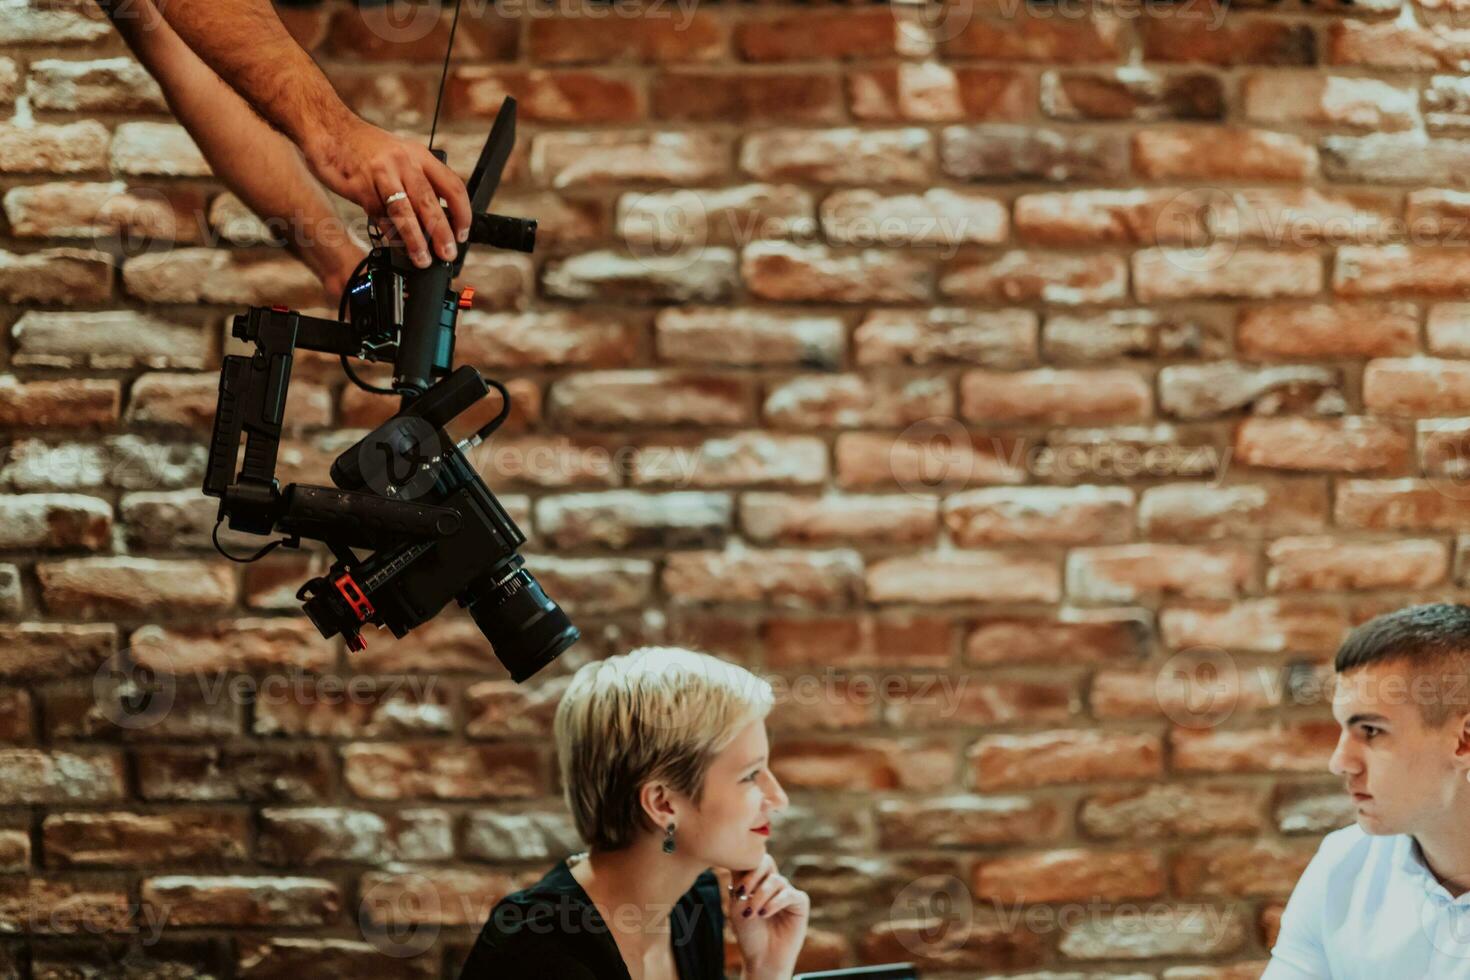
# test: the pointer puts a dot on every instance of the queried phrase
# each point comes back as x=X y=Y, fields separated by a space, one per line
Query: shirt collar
x=1412 y=863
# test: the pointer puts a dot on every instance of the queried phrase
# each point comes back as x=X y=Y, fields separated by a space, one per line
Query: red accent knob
x=467 y=297
x=280 y=308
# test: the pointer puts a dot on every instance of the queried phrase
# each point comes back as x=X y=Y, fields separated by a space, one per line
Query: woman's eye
x=751 y=777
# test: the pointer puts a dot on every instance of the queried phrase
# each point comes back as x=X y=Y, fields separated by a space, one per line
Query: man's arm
x=1299 y=953
x=248 y=46
x=258 y=163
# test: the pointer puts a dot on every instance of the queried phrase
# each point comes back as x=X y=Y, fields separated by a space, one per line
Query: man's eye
x=1369 y=732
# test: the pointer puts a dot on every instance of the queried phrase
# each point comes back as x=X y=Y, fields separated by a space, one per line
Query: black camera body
x=406 y=490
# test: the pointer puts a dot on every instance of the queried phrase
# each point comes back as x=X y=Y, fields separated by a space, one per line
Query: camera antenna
x=444 y=75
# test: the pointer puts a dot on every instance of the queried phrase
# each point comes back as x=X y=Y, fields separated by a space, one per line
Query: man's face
x=1401 y=773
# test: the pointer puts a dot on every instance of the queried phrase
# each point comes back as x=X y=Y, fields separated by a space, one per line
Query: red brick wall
x=1038 y=397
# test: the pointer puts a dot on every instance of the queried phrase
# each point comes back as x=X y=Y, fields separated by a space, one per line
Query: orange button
x=467 y=297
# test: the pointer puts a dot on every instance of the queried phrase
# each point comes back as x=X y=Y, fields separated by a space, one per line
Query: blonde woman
x=663 y=756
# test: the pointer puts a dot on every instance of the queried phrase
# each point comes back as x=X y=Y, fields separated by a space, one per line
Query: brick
x=38 y=651
x=80 y=403
x=70 y=148
x=978 y=702
x=1328 y=564
x=779 y=518
x=378 y=34
x=1132 y=572
x=624 y=519
x=156 y=149
x=60 y=776
x=857 y=640
x=119 y=838
x=1043 y=515
x=494 y=835
x=698 y=275
x=135 y=217
x=646 y=39
x=924 y=460
x=1237 y=273
x=1000 y=762
x=968 y=821
x=505 y=709
x=785 y=579
x=1175 y=930
x=128 y=586
x=964 y=576
x=1295 y=747
x=475 y=92
x=788 y=272
x=940 y=335
x=1398 y=269
x=1131 y=94
x=999 y=152
x=987 y=945
x=120 y=461
x=561 y=222
x=17 y=715
x=604 y=399
x=937 y=217
x=1323 y=100
x=1050 y=395
x=384 y=771
x=332 y=706
x=1218 y=513
x=273 y=959
x=1255 y=625
x=854 y=401
x=840 y=36
x=10 y=77
x=1309 y=810
x=1190 y=391
x=310 y=836
x=1225 y=153
x=1074 y=874
x=931 y=92
x=15 y=850
x=1395 y=44
x=41 y=906
x=1447 y=329
x=1110 y=217
x=1205 y=36
x=1399 y=505
x=666 y=222
x=213 y=774
x=106 y=85
x=190 y=401
x=64 y=276
x=564 y=160
x=1416 y=386
x=206 y=275
x=1231 y=869
x=740 y=459
x=863 y=764
x=1307 y=217
x=1195 y=689
x=432 y=897
x=55 y=522
x=106 y=339
x=733 y=96
x=558 y=462
x=739 y=337
x=1020 y=276
x=840 y=156
x=1111 y=334
x=1357 y=444
x=1392 y=158
x=1038 y=37
x=1446 y=104
x=1090 y=637
x=1328 y=330
x=240 y=901
x=1191 y=810
x=1433 y=213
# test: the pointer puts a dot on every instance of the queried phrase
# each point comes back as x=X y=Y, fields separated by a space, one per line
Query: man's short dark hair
x=1432 y=640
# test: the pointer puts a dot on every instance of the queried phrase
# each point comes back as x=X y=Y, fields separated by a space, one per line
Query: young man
x=1389 y=896
x=225 y=64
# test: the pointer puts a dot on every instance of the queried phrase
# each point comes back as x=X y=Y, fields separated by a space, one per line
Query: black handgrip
x=500 y=231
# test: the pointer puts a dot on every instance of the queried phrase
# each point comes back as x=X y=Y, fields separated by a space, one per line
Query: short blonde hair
x=653 y=713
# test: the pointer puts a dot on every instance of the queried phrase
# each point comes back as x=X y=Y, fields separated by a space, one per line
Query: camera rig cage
x=406 y=491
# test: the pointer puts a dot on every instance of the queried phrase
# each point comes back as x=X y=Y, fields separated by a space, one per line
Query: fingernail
x=745 y=914
x=464 y=234
x=763 y=911
x=421 y=259
x=450 y=252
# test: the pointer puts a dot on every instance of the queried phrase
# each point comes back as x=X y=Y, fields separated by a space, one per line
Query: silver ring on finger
x=394 y=198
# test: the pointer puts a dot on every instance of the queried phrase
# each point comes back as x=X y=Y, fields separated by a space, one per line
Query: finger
x=762 y=894
x=448 y=186
x=755 y=876
x=430 y=212
x=782 y=899
x=405 y=222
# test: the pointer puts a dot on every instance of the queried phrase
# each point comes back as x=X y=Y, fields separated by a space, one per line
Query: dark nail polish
x=746 y=913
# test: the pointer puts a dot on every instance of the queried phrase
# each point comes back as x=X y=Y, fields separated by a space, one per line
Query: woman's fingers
x=788 y=896
x=762 y=894
x=744 y=884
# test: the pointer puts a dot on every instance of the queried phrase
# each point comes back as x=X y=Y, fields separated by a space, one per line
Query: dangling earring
x=669 y=839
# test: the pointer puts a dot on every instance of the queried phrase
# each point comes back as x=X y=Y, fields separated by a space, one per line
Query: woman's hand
x=769 y=916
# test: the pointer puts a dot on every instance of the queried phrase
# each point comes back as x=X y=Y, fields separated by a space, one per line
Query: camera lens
x=526 y=628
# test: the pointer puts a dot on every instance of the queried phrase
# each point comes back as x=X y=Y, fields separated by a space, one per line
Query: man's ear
x=1462 y=745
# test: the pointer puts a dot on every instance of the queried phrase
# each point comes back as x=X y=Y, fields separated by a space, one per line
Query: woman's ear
x=657 y=803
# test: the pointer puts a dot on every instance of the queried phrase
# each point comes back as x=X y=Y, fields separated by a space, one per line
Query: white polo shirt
x=1368 y=908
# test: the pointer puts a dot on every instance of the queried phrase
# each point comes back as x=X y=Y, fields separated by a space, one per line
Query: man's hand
x=368 y=165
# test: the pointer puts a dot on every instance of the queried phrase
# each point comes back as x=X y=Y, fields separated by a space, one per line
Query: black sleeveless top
x=552 y=931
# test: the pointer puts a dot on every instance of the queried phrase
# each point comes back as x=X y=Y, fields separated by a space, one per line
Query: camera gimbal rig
x=405 y=490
